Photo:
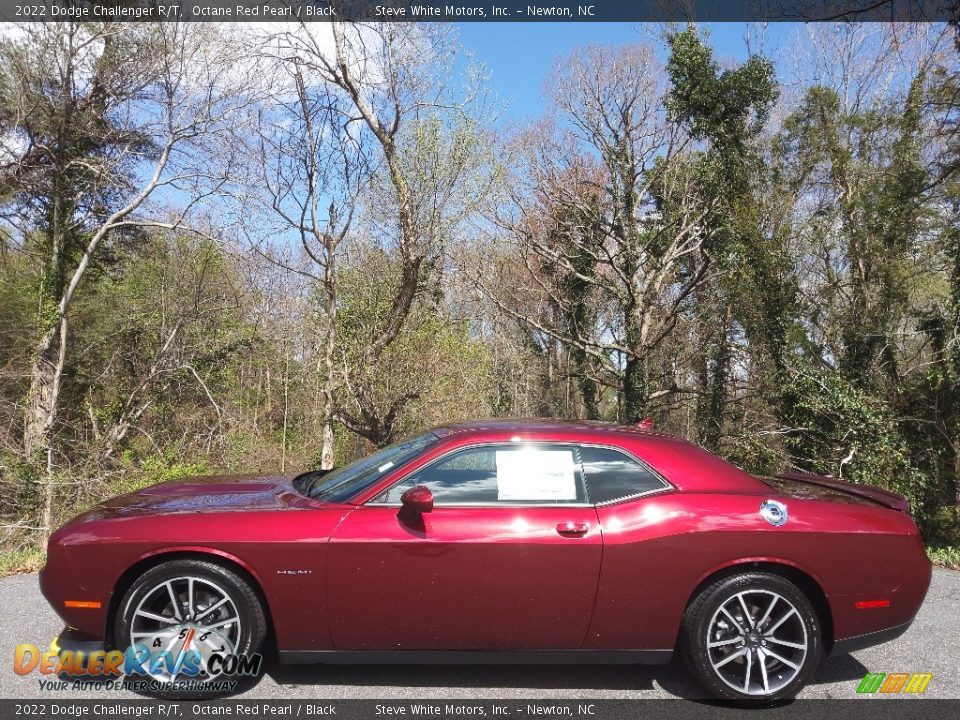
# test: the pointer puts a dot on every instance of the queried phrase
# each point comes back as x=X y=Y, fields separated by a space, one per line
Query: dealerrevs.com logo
x=894 y=683
x=193 y=658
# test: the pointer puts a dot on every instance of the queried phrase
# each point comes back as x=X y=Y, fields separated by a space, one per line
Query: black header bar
x=483 y=10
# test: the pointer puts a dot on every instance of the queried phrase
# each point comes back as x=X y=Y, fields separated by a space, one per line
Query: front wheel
x=753 y=636
x=190 y=622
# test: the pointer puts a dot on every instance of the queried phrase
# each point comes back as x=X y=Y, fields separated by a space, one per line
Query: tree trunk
x=587 y=386
x=42 y=405
x=591 y=404
x=715 y=403
x=956 y=473
x=635 y=390
x=954 y=319
x=326 y=449
x=42 y=397
x=286 y=407
x=636 y=394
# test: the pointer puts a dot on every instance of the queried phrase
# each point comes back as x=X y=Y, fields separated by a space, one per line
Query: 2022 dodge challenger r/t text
x=504 y=541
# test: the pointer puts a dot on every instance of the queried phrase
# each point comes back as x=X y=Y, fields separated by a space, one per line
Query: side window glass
x=499 y=474
x=469 y=476
x=612 y=475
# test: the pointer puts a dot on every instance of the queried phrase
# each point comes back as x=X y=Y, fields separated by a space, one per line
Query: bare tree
x=312 y=167
x=385 y=132
x=628 y=233
x=111 y=126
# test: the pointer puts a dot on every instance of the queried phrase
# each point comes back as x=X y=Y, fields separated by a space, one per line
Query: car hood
x=220 y=493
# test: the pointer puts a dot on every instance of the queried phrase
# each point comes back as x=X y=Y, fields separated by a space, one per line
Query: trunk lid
x=822 y=487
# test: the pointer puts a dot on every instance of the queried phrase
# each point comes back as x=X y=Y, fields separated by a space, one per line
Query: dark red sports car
x=505 y=541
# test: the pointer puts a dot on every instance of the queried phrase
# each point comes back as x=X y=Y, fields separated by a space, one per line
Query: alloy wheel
x=757 y=642
x=186 y=613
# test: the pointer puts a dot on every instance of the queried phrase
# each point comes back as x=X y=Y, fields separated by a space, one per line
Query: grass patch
x=947 y=556
x=21 y=560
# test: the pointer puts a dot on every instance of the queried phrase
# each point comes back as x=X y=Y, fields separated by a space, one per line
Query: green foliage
x=754 y=453
x=67 y=102
x=726 y=107
x=948 y=557
x=727 y=110
x=18 y=307
x=838 y=429
x=437 y=370
x=21 y=560
x=167 y=467
x=22 y=478
x=161 y=467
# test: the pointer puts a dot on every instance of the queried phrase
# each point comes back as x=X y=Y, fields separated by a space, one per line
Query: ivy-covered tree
x=725 y=110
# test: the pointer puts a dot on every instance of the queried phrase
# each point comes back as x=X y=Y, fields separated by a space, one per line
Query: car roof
x=685 y=465
x=545 y=427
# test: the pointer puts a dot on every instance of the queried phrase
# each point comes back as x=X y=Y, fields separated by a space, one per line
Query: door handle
x=573 y=529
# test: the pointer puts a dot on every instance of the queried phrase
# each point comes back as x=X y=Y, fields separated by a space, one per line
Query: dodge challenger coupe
x=504 y=541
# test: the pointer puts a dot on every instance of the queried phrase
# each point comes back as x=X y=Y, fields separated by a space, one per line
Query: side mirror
x=417 y=499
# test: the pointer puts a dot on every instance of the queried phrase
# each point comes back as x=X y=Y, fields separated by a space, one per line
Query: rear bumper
x=876 y=626
x=873 y=615
x=859 y=642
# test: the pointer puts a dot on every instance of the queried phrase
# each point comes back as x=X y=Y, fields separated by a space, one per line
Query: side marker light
x=871 y=604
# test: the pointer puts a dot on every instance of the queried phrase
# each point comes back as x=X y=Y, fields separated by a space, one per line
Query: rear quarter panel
x=658 y=550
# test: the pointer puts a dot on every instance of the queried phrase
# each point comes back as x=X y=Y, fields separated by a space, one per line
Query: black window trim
x=575 y=445
x=667 y=485
x=396 y=468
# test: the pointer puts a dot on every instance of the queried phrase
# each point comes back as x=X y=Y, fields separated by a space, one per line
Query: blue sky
x=519 y=55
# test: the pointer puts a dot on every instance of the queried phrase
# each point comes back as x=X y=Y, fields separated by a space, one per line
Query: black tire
x=250 y=611
x=700 y=623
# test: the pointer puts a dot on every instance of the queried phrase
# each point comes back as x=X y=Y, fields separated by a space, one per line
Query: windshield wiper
x=305 y=482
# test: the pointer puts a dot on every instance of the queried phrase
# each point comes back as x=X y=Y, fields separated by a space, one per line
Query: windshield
x=340 y=484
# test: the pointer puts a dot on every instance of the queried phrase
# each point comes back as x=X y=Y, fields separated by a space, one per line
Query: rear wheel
x=190 y=615
x=753 y=636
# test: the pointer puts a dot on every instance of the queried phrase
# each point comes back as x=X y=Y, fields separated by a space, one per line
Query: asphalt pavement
x=931 y=645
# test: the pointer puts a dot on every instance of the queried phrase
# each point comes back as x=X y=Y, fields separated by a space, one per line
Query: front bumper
x=81 y=646
x=71 y=639
x=59 y=583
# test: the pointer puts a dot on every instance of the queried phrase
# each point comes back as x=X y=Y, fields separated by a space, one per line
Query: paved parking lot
x=931 y=645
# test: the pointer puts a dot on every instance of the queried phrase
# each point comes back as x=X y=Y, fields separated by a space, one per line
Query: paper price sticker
x=536 y=475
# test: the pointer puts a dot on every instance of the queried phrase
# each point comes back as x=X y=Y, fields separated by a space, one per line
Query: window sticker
x=536 y=475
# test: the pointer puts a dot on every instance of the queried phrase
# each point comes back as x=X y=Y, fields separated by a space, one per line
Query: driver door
x=508 y=559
